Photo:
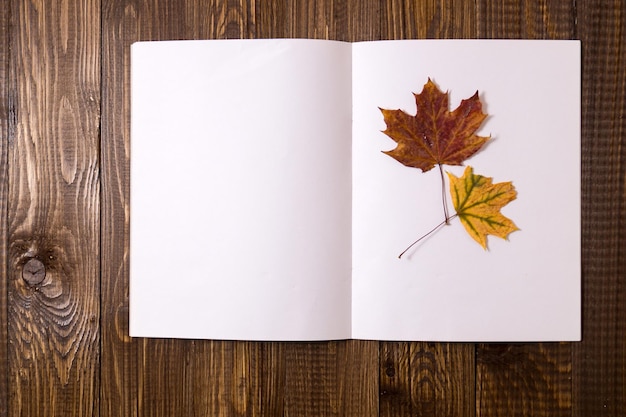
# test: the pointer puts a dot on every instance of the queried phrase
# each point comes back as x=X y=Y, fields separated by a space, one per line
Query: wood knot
x=390 y=370
x=33 y=271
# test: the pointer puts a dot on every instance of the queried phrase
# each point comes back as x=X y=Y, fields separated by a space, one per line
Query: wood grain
x=395 y=379
x=406 y=19
x=357 y=361
x=443 y=379
x=323 y=378
x=364 y=22
x=200 y=378
x=159 y=377
x=527 y=380
x=222 y=378
x=427 y=379
x=524 y=380
x=318 y=19
x=64 y=204
x=5 y=114
x=118 y=363
x=310 y=379
x=53 y=177
x=526 y=19
x=330 y=378
x=599 y=363
x=274 y=379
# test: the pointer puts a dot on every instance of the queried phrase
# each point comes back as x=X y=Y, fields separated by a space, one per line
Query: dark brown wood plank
x=331 y=378
x=599 y=365
x=406 y=19
x=358 y=383
x=273 y=382
x=442 y=379
x=53 y=281
x=160 y=377
x=271 y=19
x=526 y=19
x=164 y=389
x=317 y=19
x=395 y=379
x=327 y=378
x=200 y=378
x=533 y=379
x=364 y=23
x=118 y=364
x=427 y=378
x=246 y=380
x=310 y=379
x=524 y=380
x=5 y=114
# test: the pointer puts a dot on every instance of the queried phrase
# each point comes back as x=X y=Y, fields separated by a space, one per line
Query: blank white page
x=240 y=189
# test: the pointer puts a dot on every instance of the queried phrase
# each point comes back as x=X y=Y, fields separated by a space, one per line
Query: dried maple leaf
x=478 y=201
x=435 y=135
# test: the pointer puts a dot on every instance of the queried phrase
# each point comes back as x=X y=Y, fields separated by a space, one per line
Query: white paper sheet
x=240 y=190
x=254 y=200
x=448 y=288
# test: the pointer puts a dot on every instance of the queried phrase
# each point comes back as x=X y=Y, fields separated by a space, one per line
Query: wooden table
x=64 y=216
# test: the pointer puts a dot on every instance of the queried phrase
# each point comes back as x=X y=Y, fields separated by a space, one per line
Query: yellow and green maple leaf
x=478 y=201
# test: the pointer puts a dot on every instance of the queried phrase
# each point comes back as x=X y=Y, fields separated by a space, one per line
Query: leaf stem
x=443 y=196
x=443 y=223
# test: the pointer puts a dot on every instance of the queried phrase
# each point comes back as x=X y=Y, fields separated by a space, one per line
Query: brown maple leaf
x=435 y=136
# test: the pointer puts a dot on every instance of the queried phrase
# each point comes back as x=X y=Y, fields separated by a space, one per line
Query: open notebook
x=262 y=207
